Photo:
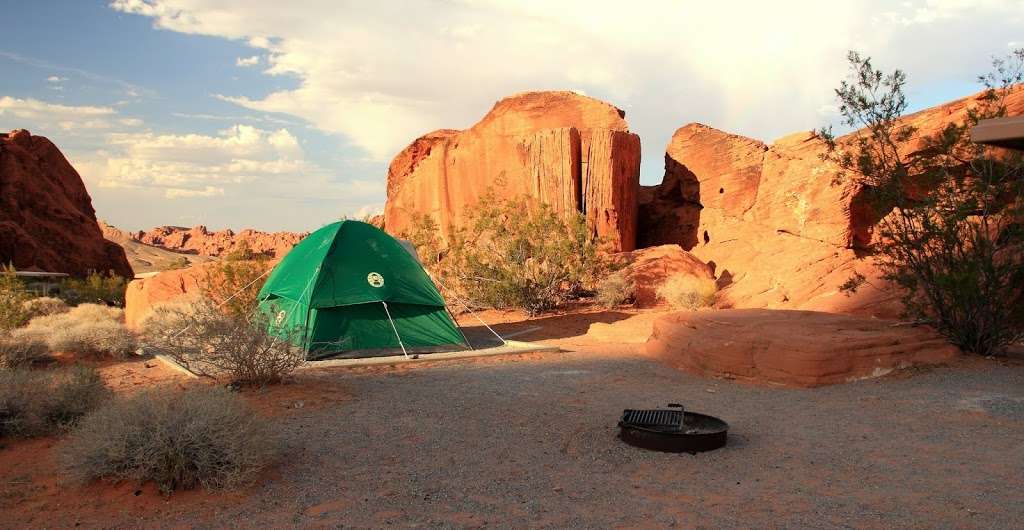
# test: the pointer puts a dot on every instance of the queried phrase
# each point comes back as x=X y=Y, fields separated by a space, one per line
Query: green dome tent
x=351 y=290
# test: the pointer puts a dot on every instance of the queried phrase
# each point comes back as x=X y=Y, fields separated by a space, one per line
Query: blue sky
x=284 y=116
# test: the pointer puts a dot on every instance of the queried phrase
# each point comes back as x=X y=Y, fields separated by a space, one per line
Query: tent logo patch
x=281 y=315
x=375 y=279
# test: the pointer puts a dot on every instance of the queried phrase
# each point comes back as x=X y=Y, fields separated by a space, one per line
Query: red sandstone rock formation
x=791 y=348
x=47 y=221
x=573 y=152
x=199 y=240
x=649 y=268
x=168 y=286
x=768 y=219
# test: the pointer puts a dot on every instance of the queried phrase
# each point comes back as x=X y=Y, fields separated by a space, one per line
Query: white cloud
x=56 y=79
x=44 y=117
x=368 y=210
x=208 y=191
x=248 y=61
x=382 y=74
x=190 y=165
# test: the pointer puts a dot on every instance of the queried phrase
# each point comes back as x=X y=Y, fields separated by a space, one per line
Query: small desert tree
x=951 y=229
x=513 y=253
x=234 y=285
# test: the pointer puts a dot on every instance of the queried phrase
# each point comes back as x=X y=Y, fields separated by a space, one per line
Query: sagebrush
x=616 y=290
x=205 y=437
x=211 y=342
x=87 y=329
x=20 y=348
x=44 y=402
x=684 y=291
x=43 y=306
x=950 y=211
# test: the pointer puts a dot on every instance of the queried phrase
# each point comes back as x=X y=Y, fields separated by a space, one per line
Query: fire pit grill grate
x=672 y=430
x=659 y=419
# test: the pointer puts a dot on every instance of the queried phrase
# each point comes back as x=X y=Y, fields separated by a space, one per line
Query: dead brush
x=213 y=343
x=43 y=402
x=206 y=437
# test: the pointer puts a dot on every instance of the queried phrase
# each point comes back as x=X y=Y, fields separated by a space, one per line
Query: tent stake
x=397 y=336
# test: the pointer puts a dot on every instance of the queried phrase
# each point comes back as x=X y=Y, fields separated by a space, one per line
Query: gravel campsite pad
x=532 y=442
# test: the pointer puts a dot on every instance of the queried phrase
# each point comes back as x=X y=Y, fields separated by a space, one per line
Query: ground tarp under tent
x=351 y=290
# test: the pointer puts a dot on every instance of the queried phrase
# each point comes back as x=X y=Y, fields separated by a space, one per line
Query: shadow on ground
x=550 y=327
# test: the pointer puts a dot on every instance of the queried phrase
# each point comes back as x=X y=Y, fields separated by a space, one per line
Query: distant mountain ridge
x=200 y=240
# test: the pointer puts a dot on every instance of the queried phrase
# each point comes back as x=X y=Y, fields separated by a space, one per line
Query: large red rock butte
x=47 y=222
x=768 y=219
x=200 y=240
x=571 y=151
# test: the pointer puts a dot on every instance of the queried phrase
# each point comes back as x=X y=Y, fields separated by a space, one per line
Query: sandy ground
x=531 y=442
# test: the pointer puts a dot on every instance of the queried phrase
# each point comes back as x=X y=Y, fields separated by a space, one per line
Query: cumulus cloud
x=248 y=61
x=197 y=165
x=208 y=191
x=56 y=79
x=381 y=74
x=34 y=113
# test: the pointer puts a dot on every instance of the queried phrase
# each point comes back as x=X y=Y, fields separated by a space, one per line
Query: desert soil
x=530 y=441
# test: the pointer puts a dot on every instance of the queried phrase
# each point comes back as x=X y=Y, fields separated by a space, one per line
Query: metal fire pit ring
x=672 y=430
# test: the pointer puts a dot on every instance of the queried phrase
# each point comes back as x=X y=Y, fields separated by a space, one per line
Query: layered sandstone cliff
x=573 y=152
x=770 y=221
x=47 y=221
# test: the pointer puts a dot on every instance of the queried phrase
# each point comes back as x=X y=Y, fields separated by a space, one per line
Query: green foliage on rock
x=950 y=211
x=513 y=254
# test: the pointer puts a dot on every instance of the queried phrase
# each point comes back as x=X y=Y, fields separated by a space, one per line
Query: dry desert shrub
x=688 y=292
x=44 y=306
x=205 y=437
x=42 y=402
x=88 y=329
x=21 y=348
x=616 y=290
x=213 y=343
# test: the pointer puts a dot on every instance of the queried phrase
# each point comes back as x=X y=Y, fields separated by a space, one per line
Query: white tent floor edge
x=511 y=347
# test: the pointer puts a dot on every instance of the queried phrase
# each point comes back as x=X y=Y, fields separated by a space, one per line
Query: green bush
x=513 y=254
x=216 y=344
x=88 y=329
x=205 y=437
x=44 y=402
x=683 y=291
x=234 y=285
x=95 y=288
x=949 y=235
x=12 y=298
x=616 y=290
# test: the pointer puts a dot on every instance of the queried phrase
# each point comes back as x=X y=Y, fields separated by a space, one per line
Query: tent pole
x=397 y=336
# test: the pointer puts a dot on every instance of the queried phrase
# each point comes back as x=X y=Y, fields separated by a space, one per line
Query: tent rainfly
x=351 y=290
